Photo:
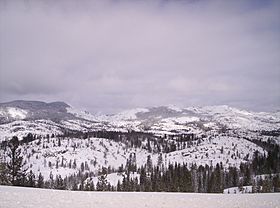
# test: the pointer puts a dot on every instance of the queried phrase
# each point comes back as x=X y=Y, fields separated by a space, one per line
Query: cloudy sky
x=105 y=56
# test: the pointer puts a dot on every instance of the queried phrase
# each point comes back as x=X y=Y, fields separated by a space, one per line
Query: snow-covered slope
x=66 y=156
x=29 y=197
x=170 y=119
x=15 y=113
x=239 y=119
x=22 y=128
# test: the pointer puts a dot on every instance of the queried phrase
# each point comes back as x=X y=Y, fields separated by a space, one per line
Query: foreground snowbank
x=28 y=197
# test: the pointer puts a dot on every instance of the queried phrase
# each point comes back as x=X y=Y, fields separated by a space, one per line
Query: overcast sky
x=105 y=56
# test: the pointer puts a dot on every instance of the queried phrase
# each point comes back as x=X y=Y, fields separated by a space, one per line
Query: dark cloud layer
x=112 y=55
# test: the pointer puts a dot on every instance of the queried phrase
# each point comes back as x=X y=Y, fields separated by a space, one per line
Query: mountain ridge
x=19 y=117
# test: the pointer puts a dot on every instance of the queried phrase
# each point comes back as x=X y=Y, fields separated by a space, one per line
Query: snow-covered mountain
x=23 y=117
x=33 y=110
x=167 y=134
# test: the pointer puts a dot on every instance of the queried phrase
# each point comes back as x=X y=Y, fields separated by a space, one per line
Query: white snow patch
x=81 y=114
x=17 y=113
x=237 y=190
x=175 y=108
x=181 y=120
x=129 y=114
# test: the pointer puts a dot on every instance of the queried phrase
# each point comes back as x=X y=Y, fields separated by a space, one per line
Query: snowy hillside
x=14 y=113
x=33 y=198
x=67 y=156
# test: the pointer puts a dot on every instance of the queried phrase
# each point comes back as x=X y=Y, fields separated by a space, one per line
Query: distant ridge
x=33 y=110
x=20 y=117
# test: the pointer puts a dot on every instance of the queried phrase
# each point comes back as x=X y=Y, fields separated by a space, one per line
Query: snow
x=17 y=113
x=22 y=128
x=201 y=121
x=114 y=178
x=174 y=108
x=100 y=152
x=96 y=152
x=237 y=190
x=130 y=114
x=239 y=119
x=181 y=120
x=14 y=113
x=194 y=120
x=81 y=114
x=209 y=151
x=12 y=197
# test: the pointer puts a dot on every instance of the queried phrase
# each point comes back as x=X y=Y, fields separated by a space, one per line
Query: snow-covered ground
x=11 y=197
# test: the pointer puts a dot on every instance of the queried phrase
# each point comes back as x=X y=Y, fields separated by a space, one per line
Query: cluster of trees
x=202 y=179
x=175 y=178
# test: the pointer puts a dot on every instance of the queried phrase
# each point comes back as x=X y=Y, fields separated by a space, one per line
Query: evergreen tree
x=15 y=165
x=51 y=183
x=149 y=164
x=102 y=184
x=119 y=188
x=40 y=182
x=160 y=161
x=267 y=185
x=59 y=183
x=143 y=179
x=131 y=163
x=3 y=174
x=247 y=176
x=30 y=179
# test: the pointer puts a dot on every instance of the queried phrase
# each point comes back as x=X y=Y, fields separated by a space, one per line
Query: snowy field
x=29 y=197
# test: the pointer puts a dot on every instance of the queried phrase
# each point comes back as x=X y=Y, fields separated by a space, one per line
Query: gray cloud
x=111 y=55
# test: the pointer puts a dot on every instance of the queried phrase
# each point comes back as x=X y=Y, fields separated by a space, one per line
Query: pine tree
x=59 y=183
x=267 y=185
x=247 y=176
x=254 y=187
x=143 y=179
x=149 y=164
x=3 y=172
x=102 y=183
x=119 y=188
x=160 y=162
x=15 y=165
x=91 y=187
x=75 y=186
x=40 y=182
x=51 y=183
x=30 y=179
